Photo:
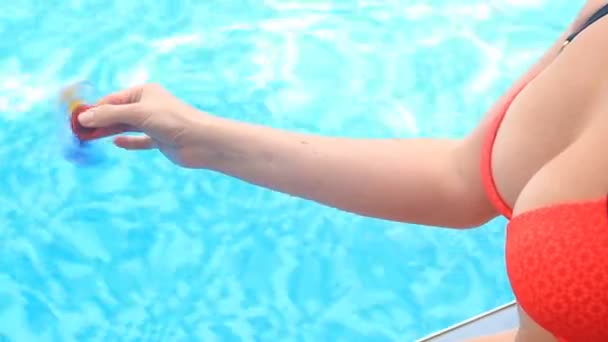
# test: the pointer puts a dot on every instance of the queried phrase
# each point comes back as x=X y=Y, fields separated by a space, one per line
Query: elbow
x=464 y=217
x=474 y=220
x=470 y=206
x=473 y=206
x=456 y=213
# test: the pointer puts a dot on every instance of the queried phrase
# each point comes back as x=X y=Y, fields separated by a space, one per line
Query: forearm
x=410 y=180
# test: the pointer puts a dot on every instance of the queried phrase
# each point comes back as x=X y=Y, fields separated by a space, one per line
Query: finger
x=135 y=143
x=118 y=129
x=109 y=131
x=125 y=96
x=131 y=115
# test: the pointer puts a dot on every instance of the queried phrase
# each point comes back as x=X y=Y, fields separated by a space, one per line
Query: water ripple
x=131 y=248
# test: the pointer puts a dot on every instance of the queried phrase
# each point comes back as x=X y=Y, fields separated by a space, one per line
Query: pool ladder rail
x=494 y=321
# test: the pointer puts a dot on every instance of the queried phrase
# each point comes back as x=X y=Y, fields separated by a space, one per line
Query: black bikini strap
x=595 y=17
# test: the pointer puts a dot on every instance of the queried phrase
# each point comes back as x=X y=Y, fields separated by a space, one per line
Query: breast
x=546 y=117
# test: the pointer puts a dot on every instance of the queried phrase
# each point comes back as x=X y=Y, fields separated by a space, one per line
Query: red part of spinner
x=81 y=132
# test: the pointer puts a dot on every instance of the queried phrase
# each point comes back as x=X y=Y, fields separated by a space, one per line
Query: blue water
x=128 y=247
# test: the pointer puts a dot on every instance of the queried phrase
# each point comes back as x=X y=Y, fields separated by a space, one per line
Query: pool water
x=125 y=246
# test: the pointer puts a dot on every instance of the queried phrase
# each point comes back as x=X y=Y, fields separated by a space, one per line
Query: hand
x=167 y=123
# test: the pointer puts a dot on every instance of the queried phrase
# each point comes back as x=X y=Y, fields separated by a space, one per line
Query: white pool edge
x=504 y=315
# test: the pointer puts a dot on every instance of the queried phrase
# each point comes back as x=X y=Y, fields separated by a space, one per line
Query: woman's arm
x=426 y=181
x=433 y=182
x=410 y=180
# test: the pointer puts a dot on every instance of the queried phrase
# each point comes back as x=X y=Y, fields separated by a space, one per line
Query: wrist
x=211 y=141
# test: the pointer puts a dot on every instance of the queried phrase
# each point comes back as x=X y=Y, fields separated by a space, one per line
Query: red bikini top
x=486 y=157
x=557 y=258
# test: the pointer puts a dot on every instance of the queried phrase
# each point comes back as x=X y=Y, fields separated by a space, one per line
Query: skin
x=550 y=136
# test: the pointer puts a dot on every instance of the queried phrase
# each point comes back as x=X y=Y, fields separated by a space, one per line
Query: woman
x=537 y=165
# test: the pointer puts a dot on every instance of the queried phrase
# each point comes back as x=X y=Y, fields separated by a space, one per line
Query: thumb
x=111 y=115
